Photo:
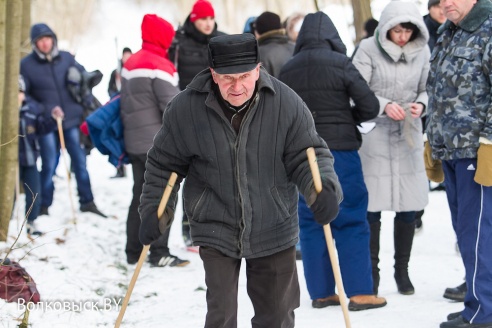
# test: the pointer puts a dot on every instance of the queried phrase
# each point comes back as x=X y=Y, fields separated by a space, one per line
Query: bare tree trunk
x=26 y=28
x=3 y=17
x=11 y=36
x=362 y=12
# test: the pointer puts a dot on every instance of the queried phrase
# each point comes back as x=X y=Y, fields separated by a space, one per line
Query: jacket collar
x=471 y=22
x=203 y=81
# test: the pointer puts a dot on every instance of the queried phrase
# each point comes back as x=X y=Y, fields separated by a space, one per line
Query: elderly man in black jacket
x=326 y=80
x=239 y=136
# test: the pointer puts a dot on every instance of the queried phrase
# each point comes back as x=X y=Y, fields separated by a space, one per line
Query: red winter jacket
x=149 y=82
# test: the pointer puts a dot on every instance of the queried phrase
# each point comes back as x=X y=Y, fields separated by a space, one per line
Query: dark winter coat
x=189 y=51
x=275 y=50
x=46 y=81
x=459 y=84
x=32 y=124
x=113 y=88
x=106 y=131
x=149 y=82
x=326 y=80
x=240 y=189
x=432 y=27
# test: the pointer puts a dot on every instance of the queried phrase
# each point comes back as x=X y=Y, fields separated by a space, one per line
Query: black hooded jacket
x=189 y=51
x=325 y=78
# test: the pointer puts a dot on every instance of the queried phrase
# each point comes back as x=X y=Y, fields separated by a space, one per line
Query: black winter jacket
x=240 y=192
x=275 y=50
x=189 y=51
x=432 y=27
x=325 y=78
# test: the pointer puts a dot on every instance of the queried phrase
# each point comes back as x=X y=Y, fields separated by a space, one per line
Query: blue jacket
x=106 y=131
x=32 y=124
x=46 y=81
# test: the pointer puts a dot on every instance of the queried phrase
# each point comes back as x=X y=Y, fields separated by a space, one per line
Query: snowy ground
x=91 y=267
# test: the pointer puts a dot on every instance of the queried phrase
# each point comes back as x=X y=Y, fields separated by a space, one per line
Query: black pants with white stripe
x=272 y=286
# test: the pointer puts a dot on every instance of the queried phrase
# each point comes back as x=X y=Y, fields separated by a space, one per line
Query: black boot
x=120 y=172
x=403 y=235
x=374 y=244
x=456 y=293
x=91 y=207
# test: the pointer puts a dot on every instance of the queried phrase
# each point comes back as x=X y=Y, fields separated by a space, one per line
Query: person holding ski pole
x=239 y=137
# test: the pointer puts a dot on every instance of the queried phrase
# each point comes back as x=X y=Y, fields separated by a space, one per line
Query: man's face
x=456 y=10
x=205 y=25
x=437 y=14
x=45 y=44
x=238 y=88
x=125 y=57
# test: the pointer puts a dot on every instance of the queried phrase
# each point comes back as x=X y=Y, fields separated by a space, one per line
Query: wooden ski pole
x=63 y=151
x=145 y=250
x=329 y=238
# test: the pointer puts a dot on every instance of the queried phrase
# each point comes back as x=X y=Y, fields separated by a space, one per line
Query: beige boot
x=327 y=301
x=366 y=302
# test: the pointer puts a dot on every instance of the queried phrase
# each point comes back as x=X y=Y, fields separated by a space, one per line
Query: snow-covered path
x=90 y=268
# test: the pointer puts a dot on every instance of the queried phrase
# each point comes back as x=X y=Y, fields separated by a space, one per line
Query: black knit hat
x=267 y=21
x=235 y=53
x=126 y=49
x=370 y=26
x=432 y=3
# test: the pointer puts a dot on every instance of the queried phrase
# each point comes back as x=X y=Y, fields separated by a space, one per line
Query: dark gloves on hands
x=483 y=175
x=325 y=207
x=152 y=228
x=433 y=167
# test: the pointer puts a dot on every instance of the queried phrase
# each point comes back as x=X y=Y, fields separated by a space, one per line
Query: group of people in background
x=214 y=108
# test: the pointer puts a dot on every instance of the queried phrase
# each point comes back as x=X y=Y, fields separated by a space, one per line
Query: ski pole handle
x=313 y=164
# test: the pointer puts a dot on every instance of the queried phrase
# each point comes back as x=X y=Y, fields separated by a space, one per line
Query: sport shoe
x=91 y=207
x=456 y=293
x=366 y=302
x=169 y=260
x=32 y=230
x=460 y=322
x=453 y=315
x=327 y=301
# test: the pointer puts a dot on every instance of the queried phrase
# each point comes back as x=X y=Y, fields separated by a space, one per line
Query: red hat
x=201 y=9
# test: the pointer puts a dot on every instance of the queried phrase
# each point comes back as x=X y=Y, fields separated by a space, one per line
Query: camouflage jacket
x=459 y=86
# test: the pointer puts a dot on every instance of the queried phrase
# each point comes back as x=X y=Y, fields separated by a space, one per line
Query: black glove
x=325 y=207
x=152 y=228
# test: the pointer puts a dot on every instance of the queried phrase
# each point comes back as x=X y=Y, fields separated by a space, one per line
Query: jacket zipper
x=242 y=223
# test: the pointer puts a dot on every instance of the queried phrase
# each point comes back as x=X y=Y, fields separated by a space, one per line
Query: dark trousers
x=31 y=178
x=272 y=285
x=50 y=152
x=471 y=213
x=133 y=245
